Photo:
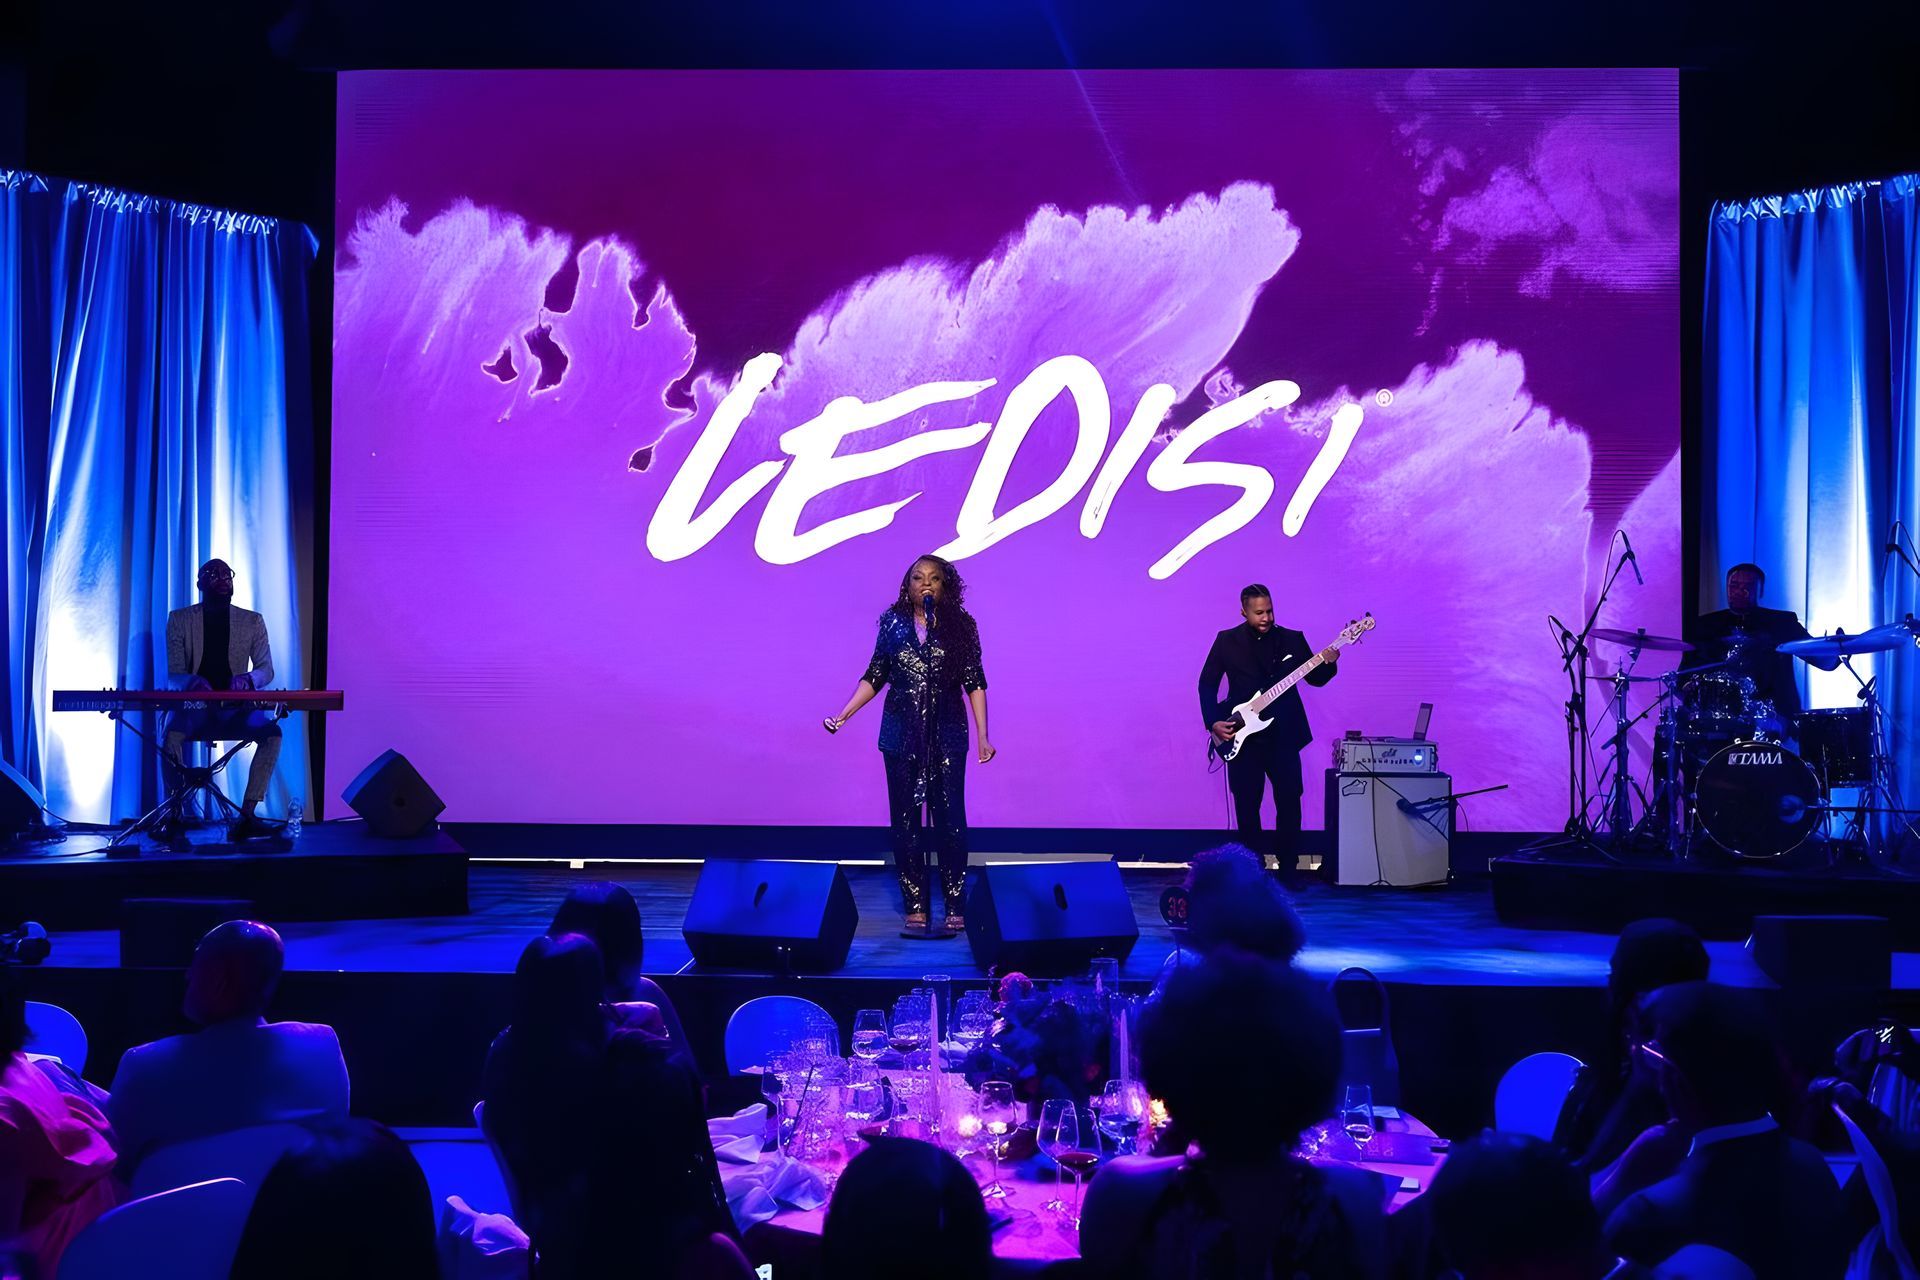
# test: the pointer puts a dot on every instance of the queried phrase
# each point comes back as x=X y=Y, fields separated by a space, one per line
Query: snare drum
x=1838 y=743
x=1757 y=800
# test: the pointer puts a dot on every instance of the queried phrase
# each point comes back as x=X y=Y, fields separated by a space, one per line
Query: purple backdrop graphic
x=648 y=387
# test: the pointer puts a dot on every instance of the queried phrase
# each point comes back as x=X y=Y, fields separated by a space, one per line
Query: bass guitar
x=1246 y=717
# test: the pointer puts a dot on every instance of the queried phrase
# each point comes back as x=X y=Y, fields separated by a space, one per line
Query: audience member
x=1738 y=1182
x=1506 y=1206
x=1246 y=1055
x=1611 y=1101
x=353 y=1202
x=602 y=1130
x=1233 y=901
x=56 y=1154
x=606 y=915
x=906 y=1208
x=237 y=1069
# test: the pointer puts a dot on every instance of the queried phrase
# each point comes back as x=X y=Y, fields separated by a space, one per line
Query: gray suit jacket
x=246 y=644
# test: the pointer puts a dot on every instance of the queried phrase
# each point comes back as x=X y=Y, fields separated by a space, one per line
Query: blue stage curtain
x=1810 y=444
x=148 y=349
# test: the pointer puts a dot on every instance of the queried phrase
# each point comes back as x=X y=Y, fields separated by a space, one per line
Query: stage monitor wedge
x=1048 y=919
x=394 y=799
x=766 y=914
x=1824 y=951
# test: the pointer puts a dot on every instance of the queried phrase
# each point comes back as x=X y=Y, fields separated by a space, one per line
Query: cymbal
x=1629 y=679
x=1640 y=640
x=1893 y=635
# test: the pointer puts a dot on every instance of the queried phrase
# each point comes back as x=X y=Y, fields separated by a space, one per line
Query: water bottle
x=295 y=812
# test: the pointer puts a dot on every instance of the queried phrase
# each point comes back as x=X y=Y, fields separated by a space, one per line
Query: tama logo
x=1753 y=757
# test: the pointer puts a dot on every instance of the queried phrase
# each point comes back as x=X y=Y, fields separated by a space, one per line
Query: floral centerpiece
x=1050 y=1042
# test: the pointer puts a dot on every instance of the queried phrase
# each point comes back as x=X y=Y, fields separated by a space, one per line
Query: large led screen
x=650 y=386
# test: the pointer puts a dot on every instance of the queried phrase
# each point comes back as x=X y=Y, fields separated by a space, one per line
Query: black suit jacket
x=1772 y=673
x=1250 y=662
x=1768 y=1199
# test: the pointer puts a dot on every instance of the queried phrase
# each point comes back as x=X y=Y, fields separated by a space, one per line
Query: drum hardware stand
x=1863 y=836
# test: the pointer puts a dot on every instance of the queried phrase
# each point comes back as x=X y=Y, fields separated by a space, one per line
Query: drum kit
x=1731 y=774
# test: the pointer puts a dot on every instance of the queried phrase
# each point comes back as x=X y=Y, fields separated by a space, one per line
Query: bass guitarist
x=1253 y=657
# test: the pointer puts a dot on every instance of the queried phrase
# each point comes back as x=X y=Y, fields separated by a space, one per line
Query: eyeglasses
x=216 y=575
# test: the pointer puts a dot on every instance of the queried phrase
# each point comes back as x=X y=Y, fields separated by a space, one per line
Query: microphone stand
x=929 y=835
x=1578 y=834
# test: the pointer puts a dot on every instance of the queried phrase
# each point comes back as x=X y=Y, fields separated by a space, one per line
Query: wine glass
x=1356 y=1116
x=869 y=1034
x=909 y=1024
x=1059 y=1132
x=972 y=1019
x=1123 y=1110
x=819 y=1038
x=998 y=1117
x=1079 y=1159
x=782 y=1093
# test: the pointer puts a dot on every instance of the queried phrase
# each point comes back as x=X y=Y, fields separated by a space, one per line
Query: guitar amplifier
x=1385 y=755
x=1389 y=829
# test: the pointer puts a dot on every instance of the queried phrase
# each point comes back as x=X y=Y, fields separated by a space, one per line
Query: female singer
x=928 y=654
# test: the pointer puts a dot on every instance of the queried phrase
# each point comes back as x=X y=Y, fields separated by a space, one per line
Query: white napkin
x=759 y=1185
x=737 y=1138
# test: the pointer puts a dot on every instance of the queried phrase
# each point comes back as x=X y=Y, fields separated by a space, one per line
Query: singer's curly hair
x=956 y=592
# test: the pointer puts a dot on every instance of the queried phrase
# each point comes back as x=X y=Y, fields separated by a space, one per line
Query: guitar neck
x=1299 y=673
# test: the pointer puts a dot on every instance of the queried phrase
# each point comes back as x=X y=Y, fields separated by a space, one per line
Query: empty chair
x=1532 y=1092
x=245 y=1154
x=188 y=1233
x=52 y=1032
x=768 y=1025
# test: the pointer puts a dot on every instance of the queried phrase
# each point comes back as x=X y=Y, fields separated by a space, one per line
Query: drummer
x=1747 y=638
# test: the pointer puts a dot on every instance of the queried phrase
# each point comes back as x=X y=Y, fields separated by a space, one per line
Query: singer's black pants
x=1248 y=775
x=947 y=808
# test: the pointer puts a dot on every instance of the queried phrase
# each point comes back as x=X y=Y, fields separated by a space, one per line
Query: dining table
x=1028 y=1236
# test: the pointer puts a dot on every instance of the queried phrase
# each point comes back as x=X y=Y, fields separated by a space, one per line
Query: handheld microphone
x=1631 y=558
x=926 y=606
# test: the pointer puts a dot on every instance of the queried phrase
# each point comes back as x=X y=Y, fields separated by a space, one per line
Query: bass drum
x=1757 y=800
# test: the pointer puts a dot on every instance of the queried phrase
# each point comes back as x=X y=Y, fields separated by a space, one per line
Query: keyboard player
x=216 y=645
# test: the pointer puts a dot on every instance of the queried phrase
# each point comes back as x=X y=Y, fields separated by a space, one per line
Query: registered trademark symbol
x=1383 y=398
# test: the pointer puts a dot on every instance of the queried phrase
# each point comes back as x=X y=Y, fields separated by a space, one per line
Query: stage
x=417 y=999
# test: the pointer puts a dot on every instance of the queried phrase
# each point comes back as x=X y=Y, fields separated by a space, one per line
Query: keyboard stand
x=183 y=783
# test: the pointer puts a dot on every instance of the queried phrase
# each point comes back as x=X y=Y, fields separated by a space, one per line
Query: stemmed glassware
x=1058 y=1132
x=910 y=1019
x=972 y=1019
x=869 y=1034
x=1123 y=1113
x=1061 y=1137
x=998 y=1117
x=1356 y=1116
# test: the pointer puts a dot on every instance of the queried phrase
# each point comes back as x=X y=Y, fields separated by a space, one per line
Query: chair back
x=188 y=1233
x=1532 y=1092
x=1880 y=1186
x=767 y=1025
x=1368 y=1056
x=499 y=1161
x=1703 y=1262
x=52 y=1032
x=246 y=1154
